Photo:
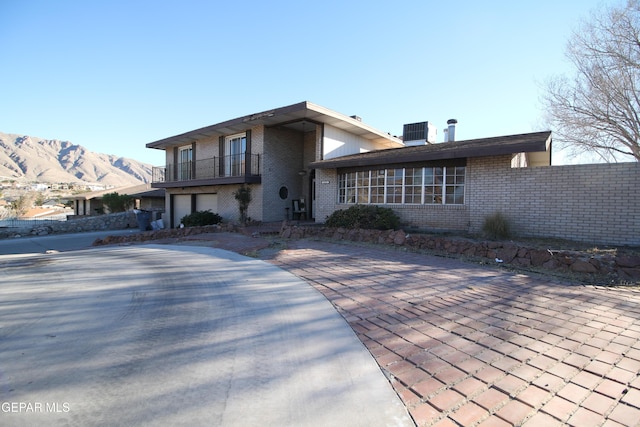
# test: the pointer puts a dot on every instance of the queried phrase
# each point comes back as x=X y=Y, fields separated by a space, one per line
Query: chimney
x=451 y=134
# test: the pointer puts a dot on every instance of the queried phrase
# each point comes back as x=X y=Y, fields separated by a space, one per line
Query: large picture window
x=427 y=185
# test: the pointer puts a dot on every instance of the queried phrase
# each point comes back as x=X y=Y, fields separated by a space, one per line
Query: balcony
x=233 y=169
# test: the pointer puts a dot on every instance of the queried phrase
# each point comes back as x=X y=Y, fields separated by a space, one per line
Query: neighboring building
x=329 y=161
x=43 y=212
x=145 y=197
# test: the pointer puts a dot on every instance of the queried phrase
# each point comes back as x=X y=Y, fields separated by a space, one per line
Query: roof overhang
x=289 y=116
x=138 y=191
x=538 y=142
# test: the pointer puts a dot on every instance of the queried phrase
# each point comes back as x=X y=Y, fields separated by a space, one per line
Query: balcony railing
x=232 y=166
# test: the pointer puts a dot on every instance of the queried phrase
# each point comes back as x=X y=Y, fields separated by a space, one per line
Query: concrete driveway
x=165 y=335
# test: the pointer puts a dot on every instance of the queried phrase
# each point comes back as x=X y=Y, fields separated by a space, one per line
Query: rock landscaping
x=117 y=221
x=610 y=267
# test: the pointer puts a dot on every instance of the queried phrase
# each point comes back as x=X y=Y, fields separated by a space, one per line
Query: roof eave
x=300 y=111
x=449 y=152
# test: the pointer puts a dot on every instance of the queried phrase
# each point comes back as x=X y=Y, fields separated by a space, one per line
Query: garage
x=207 y=202
x=181 y=207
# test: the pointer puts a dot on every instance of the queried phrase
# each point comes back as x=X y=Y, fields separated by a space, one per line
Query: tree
x=22 y=204
x=243 y=196
x=117 y=202
x=598 y=110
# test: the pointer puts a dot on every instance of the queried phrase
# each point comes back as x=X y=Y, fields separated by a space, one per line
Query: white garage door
x=206 y=202
x=181 y=207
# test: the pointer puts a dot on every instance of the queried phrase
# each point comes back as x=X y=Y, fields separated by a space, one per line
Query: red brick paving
x=466 y=345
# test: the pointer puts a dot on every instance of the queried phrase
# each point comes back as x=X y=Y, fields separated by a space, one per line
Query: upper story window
x=185 y=162
x=235 y=150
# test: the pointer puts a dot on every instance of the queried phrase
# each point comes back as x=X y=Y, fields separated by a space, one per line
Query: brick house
x=330 y=161
x=268 y=151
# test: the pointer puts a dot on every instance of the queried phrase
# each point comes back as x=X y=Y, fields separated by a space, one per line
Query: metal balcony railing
x=236 y=165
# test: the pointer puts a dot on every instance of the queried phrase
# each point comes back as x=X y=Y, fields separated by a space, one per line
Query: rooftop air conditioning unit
x=419 y=133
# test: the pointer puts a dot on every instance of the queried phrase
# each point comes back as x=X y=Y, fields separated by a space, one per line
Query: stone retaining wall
x=117 y=221
x=609 y=268
x=167 y=233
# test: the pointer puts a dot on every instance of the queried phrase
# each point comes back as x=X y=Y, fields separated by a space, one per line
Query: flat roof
x=495 y=146
x=290 y=116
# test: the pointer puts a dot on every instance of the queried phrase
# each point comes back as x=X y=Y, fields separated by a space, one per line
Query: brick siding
x=595 y=203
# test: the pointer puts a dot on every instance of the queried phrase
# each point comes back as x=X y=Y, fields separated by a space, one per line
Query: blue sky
x=115 y=75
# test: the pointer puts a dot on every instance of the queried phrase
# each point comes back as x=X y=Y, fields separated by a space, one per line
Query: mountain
x=50 y=160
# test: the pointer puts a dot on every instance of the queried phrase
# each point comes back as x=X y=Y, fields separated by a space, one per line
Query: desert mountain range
x=30 y=159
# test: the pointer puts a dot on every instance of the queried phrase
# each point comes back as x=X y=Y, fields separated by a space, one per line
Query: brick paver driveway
x=467 y=345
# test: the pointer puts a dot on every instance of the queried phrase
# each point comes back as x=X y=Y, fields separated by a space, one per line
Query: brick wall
x=326 y=194
x=282 y=160
x=434 y=217
x=596 y=203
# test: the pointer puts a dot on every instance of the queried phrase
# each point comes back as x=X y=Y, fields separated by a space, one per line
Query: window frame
x=432 y=185
x=235 y=162
x=185 y=162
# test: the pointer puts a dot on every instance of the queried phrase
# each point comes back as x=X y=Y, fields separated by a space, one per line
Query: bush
x=364 y=216
x=496 y=226
x=117 y=202
x=200 y=218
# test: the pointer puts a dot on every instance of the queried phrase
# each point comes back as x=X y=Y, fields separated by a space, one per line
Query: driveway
x=466 y=345
x=165 y=335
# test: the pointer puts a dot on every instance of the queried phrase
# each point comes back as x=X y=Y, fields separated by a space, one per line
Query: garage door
x=206 y=202
x=181 y=207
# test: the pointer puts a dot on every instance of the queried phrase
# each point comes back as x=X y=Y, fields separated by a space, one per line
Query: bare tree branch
x=598 y=109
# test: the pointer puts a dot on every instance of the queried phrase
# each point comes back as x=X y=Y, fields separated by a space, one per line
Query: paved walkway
x=465 y=345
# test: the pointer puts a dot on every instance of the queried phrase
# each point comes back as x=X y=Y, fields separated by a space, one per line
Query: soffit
x=295 y=116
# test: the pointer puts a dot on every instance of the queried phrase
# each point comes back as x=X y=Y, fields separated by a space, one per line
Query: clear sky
x=113 y=75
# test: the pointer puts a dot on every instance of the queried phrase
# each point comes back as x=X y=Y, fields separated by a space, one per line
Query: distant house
x=145 y=197
x=307 y=155
x=46 y=212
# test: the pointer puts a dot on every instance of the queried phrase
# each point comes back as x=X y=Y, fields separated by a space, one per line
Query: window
x=362 y=185
x=413 y=185
x=428 y=185
x=433 y=178
x=454 y=187
x=377 y=186
x=347 y=185
x=394 y=185
x=185 y=163
x=235 y=149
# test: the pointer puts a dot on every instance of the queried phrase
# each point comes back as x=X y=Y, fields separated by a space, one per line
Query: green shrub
x=496 y=226
x=117 y=202
x=200 y=218
x=364 y=216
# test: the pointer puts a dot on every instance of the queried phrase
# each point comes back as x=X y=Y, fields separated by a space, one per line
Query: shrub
x=243 y=196
x=364 y=216
x=496 y=226
x=117 y=202
x=200 y=218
